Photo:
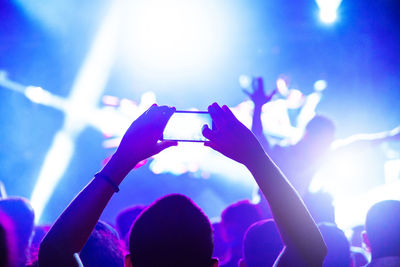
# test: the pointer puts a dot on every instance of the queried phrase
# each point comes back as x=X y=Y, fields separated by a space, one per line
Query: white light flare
x=328 y=10
x=53 y=168
x=174 y=36
x=320 y=85
x=84 y=97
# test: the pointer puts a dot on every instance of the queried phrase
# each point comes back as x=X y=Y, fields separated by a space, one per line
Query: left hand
x=141 y=140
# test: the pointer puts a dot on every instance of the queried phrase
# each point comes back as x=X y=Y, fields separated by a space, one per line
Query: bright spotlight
x=328 y=10
x=244 y=81
x=173 y=35
x=85 y=95
x=37 y=94
x=282 y=86
x=320 y=85
x=327 y=16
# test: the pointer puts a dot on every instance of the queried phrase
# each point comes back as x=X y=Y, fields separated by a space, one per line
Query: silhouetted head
x=22 y=216
x=237 y=217
x=125 y=219
x=220 y=246
x=261 y=244
x=8 y=253
x=320 y=132
x=383 y=229
x=102 y=248
x=172 y=231
x=320 y=206
x=337 y=244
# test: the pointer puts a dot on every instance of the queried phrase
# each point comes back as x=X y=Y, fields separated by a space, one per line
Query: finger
x=207 y=132
x=258 y=84
x=152 y=107
x=217 y=114
x=211 y=144
x=228 y=112
x=160 y=146
x=269 y=97
x=163 y=114
x=214 y=146
x=247 y=92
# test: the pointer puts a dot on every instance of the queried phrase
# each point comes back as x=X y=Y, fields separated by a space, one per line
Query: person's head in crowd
x=261 y=244
x=356 y=236
x=102 y=248
x=320 y=132
x=337 y=244
x=237 y=217
x=220 y=246
x=125 y=219
x=382 y=227
x=320 y=206
x=235 y=220
x=22 y=217
x=172 y=231
x=358 y=252
x=8 y=253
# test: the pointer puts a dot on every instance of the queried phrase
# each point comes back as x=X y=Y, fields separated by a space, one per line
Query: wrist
x=117 y=168
x=258 y=160
x=258 y=106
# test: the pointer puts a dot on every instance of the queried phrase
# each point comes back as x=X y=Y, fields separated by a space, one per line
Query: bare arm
x=259 y=98
x=366 y=140
x=299 y=232
x=72 y=229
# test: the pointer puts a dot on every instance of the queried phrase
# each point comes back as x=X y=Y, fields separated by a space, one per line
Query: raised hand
x=258 y=95
x=141 y=140
x=72 y=229
x=230 y=137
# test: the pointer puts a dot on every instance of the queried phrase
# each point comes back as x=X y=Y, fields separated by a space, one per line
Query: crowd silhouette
x=293 y=228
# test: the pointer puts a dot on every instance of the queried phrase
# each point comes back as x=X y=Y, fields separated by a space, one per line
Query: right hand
x=258 y=96
x=230 y=137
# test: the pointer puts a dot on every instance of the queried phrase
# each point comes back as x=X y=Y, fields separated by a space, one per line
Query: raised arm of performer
x=259 y=98
x=303 y=242
x=366 y=140
x=70 y=232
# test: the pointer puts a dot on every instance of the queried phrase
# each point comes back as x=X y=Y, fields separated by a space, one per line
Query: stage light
x=282 y=86
x=245 y=81
x=37 y=95
x=170 y=36
x=328 y=10
x=320 y=85
x=53 y=168
x=84 y=97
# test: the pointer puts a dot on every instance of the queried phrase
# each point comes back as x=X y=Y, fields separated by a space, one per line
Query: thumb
x=247 y=92
x=212 y=145
x=160 y=146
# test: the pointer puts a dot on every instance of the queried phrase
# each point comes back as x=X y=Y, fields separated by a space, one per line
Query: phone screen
x=186 y=126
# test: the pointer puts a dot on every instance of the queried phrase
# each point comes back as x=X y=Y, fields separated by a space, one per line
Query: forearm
x=257 y=128
x=298 y=230
x=72 y=229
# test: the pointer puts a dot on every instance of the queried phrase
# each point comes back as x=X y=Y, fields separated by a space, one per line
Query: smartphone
x=186 y=126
